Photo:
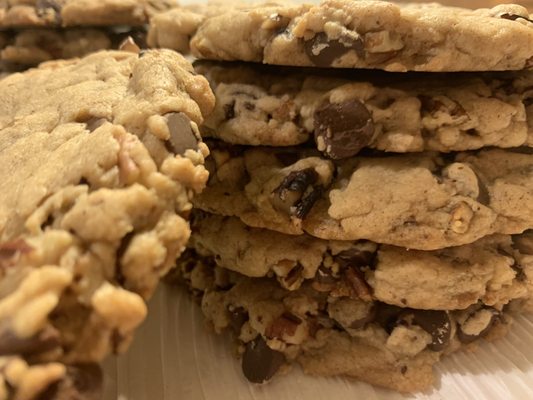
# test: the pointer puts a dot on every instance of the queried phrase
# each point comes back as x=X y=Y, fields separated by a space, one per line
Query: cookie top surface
x=101 y=157
x=346 y=111
x=423 y=201
x=41 y=13
x=370 y=34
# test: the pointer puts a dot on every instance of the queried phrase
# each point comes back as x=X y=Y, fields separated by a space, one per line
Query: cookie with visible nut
x=345 y=112
x=330 y=334
x=493 y=271
x=370 y=34
x=422 y=201
x=69 y=13
x=100 y=159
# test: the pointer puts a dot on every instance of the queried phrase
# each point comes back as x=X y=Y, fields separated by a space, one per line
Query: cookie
x=54 y=13
x=173 y=29
x=19 y=380
x=385 y=345
x=29 y=47
x=345 y=113
x=100 y=159
x=370 y=34
x=420 y=201
x=494 y=270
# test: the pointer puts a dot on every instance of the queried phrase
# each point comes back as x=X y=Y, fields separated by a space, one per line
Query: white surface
x=174 y=356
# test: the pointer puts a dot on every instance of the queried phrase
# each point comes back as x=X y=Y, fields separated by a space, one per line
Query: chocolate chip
x=484 y=194
x=356 y=257
x=343 y=129
x=287 y=158
x=296 y=194
x=259 y=362
x=323 y=52
x=45 y=6
x=306 y=204
x=43 y=341
x=436 y=323
x=519 y=271
x=462 y=330
x=324 y=276
x=286 y=324
x=524 y=243
x=83 y=381
x=182 y=136
x=238 y=316
x=386 y=315
x=514 y=17
x=229 y=110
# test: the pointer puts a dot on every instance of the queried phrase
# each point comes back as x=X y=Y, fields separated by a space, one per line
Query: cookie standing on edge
x=371 y=34
x=100 y=158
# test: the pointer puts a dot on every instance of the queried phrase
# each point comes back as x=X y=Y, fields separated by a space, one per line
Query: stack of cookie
x=363 y=223
x=35 y=31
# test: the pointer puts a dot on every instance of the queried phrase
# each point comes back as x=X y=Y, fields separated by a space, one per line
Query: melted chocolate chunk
x=182 y=136
x=514 y=17
x=323 y=52
x=229 y=110
x=306 y=204
x=343 y=129
x=259 y=362
x=296 y=194
x=437 y=324
x=357 y=258
x=468 y=338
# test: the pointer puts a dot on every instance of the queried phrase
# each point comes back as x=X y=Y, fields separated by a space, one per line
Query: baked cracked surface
x=420 y=201
x=101 y=157
x=370 y=34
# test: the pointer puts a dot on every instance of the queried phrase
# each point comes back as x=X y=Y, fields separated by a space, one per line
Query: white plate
x=175 y=356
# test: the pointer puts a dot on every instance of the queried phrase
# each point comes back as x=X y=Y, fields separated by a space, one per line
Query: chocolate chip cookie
x=370 y=34
x=493 y=270
x=347 y=112
x=29 y=47
x=100 y=158
x=336 y=334
x=54 y=13
x=423 y=201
